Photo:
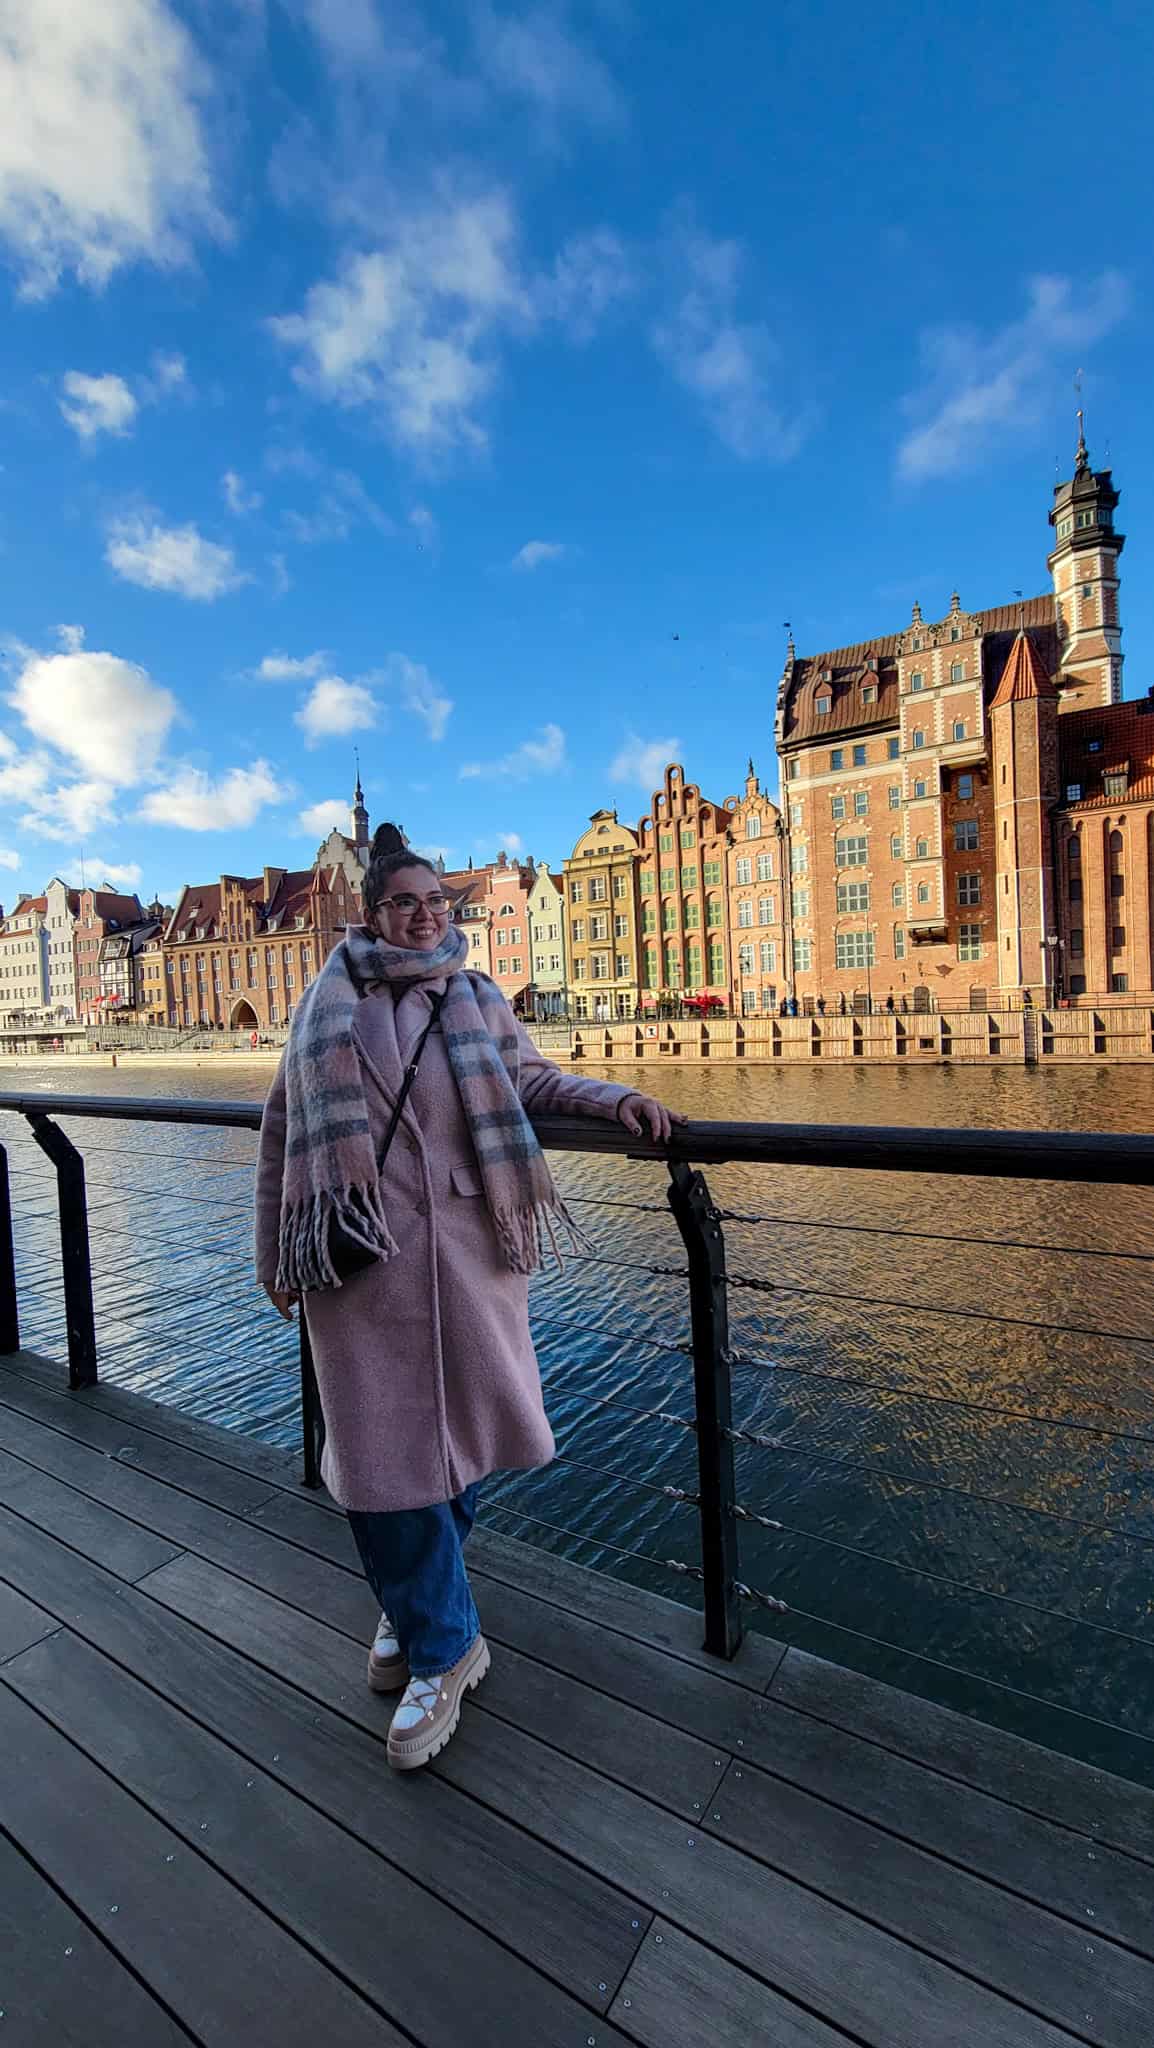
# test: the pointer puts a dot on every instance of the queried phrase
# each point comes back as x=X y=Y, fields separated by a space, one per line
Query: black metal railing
x=1083 y=1159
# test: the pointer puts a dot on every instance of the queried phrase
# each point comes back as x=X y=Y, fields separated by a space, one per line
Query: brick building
x=682 y=888
x=755 y=897
x=602 y=920
x=936 y=778
x=99 y=912
x=510 y=886
x=239 y=952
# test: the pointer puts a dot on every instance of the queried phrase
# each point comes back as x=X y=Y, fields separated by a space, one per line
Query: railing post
x=74 y=1250
x=697 y=1220
x=312 y=1416
x=9 y=1310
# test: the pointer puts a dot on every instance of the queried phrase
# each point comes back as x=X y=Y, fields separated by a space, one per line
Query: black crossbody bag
x=346 y=1255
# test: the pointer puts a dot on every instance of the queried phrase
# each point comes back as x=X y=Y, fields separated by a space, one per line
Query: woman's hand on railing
x=283 y=1301
x=644 y=1115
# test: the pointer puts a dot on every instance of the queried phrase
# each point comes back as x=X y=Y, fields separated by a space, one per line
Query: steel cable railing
x=716 y=1434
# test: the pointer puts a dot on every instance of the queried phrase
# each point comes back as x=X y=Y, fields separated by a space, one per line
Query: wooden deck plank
x=695 y=1698
x=679 y=1994
x=128 y=1550
x=565 y=1919
x=674 y=1762
x=206 y=1439
x=62 y=1988
x=1037 y=1858
x=227 y=1970
x=421 y=1962
x=855 y=1976
x=1059 y=1788
x=1028 y=1954
x=21 y=1622
x=672 y=1768
x=115 y=1438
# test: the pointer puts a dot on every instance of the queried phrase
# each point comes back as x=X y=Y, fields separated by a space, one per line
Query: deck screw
x=170 y=1859
x=68 y=1951
x=717 y=1763
x=635 y=1923
x=689 y=1844
x=114 y=1909
x=697 y=1806
x=659 y=1939
x=737 y=1774
x=603 y=1987
x=717 y=1816
x=1090 y=1911
x=741 y=1742
x=627 y=2002
x=276 y=1756
x=204 y=1827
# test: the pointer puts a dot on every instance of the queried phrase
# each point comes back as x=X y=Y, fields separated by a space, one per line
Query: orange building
x=755 y=894
x=681 y=880
x=935 y=779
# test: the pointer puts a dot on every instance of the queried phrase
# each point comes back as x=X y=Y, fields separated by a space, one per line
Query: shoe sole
x=394 y=1678
x=415 y=1759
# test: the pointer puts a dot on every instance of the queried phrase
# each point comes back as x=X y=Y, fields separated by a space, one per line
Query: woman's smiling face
x=414 y=912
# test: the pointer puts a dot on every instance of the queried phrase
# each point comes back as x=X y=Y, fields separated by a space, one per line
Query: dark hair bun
x=386 y=839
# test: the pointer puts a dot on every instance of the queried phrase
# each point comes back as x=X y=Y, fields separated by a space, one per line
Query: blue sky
x=484 y=385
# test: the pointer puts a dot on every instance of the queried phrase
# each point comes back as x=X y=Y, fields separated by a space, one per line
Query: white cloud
x=124 y=77
x=320 y=819
x=544 y=755
x=408 y=328
x=169 y=371
x=333 y=707
x=723 y=361
x=196 y=802
x=71 y=811
x=535 y=57
x=288 y=668
x=238 y=500
x=97 y=405
x=511 y=841
x=104 y=713
x=8 y=859
x=176 y=558
x=535 y=552
x=973 y=387
x=281 y=580
x=420 y=693
x=95 y=872
x=591 y=276
x=644 y=762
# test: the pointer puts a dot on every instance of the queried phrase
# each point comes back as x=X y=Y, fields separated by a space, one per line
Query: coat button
x=422 y=1208
x=411 y=1145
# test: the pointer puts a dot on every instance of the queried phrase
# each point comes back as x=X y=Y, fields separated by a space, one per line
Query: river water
x=967 y=1499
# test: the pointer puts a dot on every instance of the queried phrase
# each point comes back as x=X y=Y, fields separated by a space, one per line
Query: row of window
x=598 y=889
x=599 y=927
x=597 y=967
x=858 y=949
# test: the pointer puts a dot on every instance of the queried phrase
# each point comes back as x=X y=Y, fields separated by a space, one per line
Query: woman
x=424 y=1361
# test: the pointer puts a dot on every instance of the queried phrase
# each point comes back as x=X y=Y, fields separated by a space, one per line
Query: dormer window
x=955 y=632
x=1085 y=519
x=869 y=693
x=822 y=706
x=918 y=644
x=1114 y=783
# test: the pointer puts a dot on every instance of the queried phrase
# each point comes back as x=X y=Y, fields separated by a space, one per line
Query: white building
x=546 y=996
x=61 y=907
x=24 y=960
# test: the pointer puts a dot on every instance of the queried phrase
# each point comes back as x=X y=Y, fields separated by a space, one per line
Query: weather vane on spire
x=1082 y=456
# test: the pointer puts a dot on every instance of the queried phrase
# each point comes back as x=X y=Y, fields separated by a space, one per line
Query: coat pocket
x=465 y=1180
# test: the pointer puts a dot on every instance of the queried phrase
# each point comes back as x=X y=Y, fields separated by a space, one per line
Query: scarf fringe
x=305 y=1263
x=528 y=1237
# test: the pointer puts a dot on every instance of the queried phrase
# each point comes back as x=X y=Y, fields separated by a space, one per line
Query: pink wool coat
x=427 y=1374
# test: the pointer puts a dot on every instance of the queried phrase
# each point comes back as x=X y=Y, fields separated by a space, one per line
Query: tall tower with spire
x=360 y=816
x=1084 y=566
x=1023 y=718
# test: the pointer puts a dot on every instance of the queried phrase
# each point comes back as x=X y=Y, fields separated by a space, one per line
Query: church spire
x=360 y=816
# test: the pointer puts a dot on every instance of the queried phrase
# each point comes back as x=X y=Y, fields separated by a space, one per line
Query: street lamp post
x=1054 y=948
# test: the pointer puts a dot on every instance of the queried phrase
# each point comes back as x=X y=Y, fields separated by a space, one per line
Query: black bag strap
x=410 y=1077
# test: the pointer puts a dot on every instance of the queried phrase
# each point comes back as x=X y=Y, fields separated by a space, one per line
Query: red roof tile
x=1125 y=739
x=875 y=661
x=1024 y=677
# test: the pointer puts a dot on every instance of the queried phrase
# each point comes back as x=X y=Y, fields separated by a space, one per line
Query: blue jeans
x=414 y=1562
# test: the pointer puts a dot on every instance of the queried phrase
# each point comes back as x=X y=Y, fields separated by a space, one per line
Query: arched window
x=1116 y=842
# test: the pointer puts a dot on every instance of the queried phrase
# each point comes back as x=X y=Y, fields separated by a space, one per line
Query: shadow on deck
x=626 y=1842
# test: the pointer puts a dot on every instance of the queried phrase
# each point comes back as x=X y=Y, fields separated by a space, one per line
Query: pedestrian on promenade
x=841 y=1003
x=890 y=1004
x=413 y=1267
x=821 y=1006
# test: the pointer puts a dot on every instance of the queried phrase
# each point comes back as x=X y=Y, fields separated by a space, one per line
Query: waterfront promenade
x=628 y=1842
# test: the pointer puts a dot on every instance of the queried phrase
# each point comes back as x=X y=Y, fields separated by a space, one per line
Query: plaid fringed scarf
x=330 y=1158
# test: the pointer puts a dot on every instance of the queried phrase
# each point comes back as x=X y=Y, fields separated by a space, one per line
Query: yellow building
x=600 y=912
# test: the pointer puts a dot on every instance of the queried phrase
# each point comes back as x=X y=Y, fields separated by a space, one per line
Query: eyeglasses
x=437 y=903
